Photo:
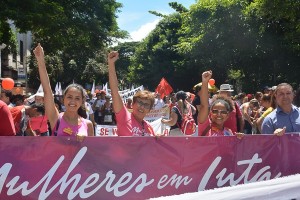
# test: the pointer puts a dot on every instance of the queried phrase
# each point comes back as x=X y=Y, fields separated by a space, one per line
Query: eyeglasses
x=221 y=112
x=145 y=105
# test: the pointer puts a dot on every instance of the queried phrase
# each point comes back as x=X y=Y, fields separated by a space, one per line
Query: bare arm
x=203 y=112
x=113 y=81
x=259 y=122
x=90 y=129
x=172 y=121
x=245 y=113
x=50 y=108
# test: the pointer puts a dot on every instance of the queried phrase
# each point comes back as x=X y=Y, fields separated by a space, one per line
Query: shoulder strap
x=57 y=125
x=206 y=130
x=236 y=108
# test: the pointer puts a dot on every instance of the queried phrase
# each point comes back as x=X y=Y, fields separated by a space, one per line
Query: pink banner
x=139 y=167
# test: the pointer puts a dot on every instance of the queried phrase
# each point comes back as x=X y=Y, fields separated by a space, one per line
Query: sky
x=135 y=18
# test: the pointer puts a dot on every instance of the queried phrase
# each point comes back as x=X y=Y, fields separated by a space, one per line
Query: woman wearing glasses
x=129 y=124
x=211 y=121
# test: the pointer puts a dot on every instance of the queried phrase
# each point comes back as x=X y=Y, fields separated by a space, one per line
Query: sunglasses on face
x=221 y=112
x=145 y=105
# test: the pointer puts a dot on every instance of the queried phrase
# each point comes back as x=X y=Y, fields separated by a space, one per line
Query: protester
x=239 y=98
x=158 y=103
x=39 y=97
x=129 y=124
x=6 y=96
x=266 y=90
x=235 y=120
x=258 y=96
x=30 y=120
x=97 y=105
x=183 y=107
x=90 y=113
x=129 y=103
x=18 y=100
x=297 y=98
x=196 y=101
x=250 y=111
x=267 y=102
x=286 y=117
x=108 y=112
x=71 y=122
x=211 y=121
x=7 y=127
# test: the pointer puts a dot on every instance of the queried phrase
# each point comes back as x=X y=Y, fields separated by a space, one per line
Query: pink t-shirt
x=213 y=131
x=66 y=129
x=128 y=126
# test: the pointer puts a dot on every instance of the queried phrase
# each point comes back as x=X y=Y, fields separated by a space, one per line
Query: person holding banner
x=129 y=124
x=71 y=122
x=211 y=121
x=286 y=116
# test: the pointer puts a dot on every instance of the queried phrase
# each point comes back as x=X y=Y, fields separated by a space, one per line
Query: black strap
x=206 y=130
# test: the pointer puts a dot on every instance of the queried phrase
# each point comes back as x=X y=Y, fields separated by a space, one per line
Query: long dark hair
x=81 y=110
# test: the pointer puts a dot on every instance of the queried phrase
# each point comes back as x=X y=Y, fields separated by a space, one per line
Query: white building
x=15 y=66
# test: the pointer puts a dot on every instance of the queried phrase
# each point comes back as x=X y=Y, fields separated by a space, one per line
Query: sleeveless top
x=65 y=129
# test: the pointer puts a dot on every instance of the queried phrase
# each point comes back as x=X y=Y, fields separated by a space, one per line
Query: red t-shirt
x=39 y=123
x=232 y=120
x=17 y=115
x=128 y=126
x=213 y=131
x=7 y=127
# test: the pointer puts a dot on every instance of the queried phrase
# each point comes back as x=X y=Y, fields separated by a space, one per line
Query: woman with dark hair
x=211 y=119
x=71 y=122
x=182 y=107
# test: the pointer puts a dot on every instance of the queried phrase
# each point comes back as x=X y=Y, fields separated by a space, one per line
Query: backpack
x=187 y=125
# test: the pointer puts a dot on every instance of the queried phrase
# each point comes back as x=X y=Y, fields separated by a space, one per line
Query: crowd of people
x=274 y=110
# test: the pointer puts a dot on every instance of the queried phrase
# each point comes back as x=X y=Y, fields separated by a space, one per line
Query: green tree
x=157 y=56
x=76 y=28
x=126 y=51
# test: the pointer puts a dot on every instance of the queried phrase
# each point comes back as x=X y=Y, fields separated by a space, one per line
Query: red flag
x=163 y=88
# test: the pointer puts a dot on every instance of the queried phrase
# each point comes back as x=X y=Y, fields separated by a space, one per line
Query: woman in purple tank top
x=71 y=122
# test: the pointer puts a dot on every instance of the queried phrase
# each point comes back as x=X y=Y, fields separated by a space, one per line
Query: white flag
x=59 y=89
x=40 y=90
x=105 y=88
x=93 y=89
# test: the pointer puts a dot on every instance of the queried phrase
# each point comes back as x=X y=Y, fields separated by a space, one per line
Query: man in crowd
x=6 y=97
x=159 y=103
x=286 y=116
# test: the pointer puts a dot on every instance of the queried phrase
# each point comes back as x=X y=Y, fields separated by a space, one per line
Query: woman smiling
x=72 y=122
x=211 y=121
x=129 y=124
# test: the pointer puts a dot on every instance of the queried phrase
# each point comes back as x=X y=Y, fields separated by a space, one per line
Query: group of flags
x=58 y=90
x=163 y=88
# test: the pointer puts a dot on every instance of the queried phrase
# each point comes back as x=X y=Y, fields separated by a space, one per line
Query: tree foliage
x=77 y=28
x=258 y=39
